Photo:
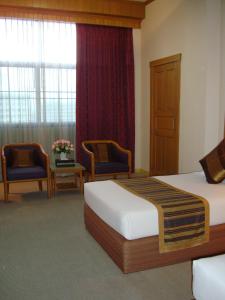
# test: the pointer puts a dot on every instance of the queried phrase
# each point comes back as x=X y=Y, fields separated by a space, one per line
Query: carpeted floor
x=46 y=254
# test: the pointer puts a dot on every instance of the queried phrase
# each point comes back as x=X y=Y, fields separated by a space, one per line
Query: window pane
x=17 y=95
x=58 y=95
x=61 y=36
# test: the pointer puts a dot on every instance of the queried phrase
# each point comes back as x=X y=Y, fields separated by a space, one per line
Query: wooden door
x=164 y=115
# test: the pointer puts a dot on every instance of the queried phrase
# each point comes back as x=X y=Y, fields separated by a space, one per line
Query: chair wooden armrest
x=44 y=155
x=3 y=161
x=47 y=166
x=91 y=158
x=126 y=151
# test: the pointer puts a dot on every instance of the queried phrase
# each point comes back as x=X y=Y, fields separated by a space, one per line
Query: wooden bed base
x=141 y=254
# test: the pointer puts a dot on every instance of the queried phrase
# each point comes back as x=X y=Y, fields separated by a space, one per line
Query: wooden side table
x=77 y=170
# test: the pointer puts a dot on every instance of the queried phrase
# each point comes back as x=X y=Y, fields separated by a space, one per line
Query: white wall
x=138 y=104
x=222 y=95
x=213 y=73
x=192 y=28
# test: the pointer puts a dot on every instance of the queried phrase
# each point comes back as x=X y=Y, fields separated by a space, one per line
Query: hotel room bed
x=126 y=226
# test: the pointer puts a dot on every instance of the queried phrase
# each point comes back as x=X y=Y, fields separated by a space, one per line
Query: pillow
x=101 y=152
x=22 y=158
x=213 y=164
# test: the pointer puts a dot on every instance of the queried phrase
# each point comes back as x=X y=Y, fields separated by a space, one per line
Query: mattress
x=209 y=278
x=134 y=217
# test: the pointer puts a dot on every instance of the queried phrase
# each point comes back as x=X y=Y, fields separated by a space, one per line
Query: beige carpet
x=46 y=254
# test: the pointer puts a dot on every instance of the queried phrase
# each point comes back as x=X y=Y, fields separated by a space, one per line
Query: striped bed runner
x=183 y=217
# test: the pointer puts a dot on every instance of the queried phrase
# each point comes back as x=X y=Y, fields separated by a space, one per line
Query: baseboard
x=142 y=171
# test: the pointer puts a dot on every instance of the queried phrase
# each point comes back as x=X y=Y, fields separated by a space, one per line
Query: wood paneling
x=164 y=115
x=110 y=12
x=109 y=7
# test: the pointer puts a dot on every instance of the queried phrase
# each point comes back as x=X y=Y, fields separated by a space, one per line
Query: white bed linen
x=209 y=278
x=134 y=217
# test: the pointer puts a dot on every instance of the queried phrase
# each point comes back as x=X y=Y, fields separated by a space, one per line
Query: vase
x=63 y=156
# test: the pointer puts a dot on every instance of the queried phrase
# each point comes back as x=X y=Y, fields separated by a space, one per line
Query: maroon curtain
x=105 y=85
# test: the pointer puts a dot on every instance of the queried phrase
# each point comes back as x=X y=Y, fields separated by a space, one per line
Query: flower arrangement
x=62 y=146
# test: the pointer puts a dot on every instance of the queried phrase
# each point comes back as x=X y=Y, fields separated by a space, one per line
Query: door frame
x=158 y=62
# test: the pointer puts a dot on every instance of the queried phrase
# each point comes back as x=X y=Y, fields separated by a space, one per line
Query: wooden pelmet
x=141 y=254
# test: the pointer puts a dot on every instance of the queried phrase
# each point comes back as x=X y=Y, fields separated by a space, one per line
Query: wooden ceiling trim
x=111 y=12
x=81 y=18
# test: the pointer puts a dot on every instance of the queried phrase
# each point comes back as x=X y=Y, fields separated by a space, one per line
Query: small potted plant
x=62 y=147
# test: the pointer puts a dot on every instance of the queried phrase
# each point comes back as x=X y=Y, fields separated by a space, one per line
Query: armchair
x=24 y=162
x=105 y=157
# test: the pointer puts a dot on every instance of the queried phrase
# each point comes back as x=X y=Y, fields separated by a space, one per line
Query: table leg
x=75 y=179
x=81 y=182
x=53 y=183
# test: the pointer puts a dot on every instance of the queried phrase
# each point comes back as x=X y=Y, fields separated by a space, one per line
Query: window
x=37 y=72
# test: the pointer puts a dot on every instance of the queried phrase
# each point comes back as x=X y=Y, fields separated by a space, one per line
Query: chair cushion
x=213 y=164
x=26 y=173
x=22 y=158
x=110 y=167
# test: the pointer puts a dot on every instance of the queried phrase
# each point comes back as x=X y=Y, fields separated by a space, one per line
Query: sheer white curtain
x=37 y=81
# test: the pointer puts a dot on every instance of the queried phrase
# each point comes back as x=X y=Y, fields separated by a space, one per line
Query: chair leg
x=6 y=191
x=129 y=175
x=114 y=176
x=40 y=186
x=91 y=177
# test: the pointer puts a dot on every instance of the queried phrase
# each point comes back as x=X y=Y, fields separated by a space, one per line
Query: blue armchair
x=25 y=162
x=105 y=157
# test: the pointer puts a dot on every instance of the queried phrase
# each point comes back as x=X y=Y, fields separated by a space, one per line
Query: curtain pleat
x=105 y=85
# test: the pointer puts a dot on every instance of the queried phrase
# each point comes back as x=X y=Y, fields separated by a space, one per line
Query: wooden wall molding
x=224 y=129
x=148 y=2
x=165 y=60
x=111 y=12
